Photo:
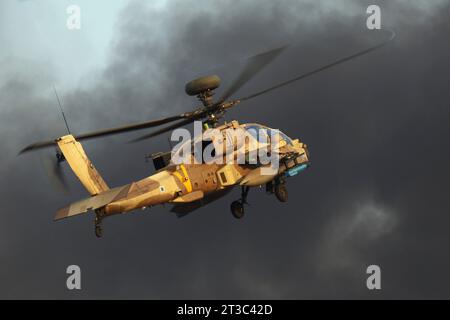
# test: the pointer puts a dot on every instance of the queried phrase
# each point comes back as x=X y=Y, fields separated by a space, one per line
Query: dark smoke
x=377 y=129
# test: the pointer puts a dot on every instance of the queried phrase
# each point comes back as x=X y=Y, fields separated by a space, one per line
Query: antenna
x=61 y=109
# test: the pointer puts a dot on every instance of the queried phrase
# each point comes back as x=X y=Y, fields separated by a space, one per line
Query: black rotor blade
x=111 y=131
x=335 y=63
x=54 y=171
x=253 y=66
x=165 y=129
x=128 y=128
x=38 y=145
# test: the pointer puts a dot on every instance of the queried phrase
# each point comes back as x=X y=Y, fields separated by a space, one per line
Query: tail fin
x=81 y=165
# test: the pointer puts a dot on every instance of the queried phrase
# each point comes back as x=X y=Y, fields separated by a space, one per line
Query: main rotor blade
x=38 y=145
x=335 y=63
x=106 y=132
x=253 y=66
x=165 y=129
x=127 y=128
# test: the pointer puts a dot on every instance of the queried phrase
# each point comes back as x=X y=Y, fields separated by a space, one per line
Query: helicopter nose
x=302 y=153
x=306 y=150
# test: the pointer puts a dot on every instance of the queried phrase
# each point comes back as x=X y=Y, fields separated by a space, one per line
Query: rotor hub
x=206 y=97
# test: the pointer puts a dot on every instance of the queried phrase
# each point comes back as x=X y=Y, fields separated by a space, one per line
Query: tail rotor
x=52 y=165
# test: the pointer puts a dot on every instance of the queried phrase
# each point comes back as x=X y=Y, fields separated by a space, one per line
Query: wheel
x=237 y=209
x=98 y=231
x=281 y=192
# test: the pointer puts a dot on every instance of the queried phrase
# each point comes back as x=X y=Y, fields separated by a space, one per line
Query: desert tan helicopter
x=189 y=186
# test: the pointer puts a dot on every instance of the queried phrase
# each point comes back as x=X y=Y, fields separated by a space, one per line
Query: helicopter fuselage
x=188 y=182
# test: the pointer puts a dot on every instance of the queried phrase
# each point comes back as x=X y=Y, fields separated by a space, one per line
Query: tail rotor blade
x=55 y=173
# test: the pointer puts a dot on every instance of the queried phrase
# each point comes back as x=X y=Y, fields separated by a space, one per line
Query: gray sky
x=377 y=128
x=44 y=37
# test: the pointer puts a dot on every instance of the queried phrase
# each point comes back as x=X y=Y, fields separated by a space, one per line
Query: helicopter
x=194 y=183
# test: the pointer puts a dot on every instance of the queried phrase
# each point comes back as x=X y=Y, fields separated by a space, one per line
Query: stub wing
x=182 y=209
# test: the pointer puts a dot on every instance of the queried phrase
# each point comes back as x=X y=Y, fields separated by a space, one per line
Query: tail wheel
x=98 y=231
x=99 y=215
x=237 y=209
x=281 y=192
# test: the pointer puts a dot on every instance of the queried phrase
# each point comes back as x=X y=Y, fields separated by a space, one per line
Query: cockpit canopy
x=217 y=144
x=262 y=133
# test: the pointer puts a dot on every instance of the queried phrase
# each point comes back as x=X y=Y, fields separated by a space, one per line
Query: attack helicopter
x=193 y=183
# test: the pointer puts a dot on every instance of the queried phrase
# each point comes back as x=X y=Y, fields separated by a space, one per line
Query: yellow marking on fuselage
x=188 y=183
x=184 y=180
x=178 y=175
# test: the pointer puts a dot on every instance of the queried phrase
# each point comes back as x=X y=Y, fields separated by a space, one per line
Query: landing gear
x=237 y=207
x=99 y=214
x=279 y=188
x=281 y=192
x=98 y=230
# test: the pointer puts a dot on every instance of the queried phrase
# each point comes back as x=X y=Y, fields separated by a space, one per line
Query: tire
x=237 y=209
x=281 y=192
x=202 y=84
x=98 y=231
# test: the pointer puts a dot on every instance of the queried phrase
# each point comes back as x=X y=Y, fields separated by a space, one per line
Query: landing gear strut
x=281 y=192
x=99 y=215
x=237 y=207
x=279 y=188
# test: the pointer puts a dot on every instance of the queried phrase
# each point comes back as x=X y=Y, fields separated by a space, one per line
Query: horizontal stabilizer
x=92 y=203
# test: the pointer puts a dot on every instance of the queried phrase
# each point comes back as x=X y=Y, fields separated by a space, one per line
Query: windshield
x=261 y=133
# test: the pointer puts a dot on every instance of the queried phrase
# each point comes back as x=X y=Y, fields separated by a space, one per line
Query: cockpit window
x=263 y=134
x=286 y=138
x=260 y=133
